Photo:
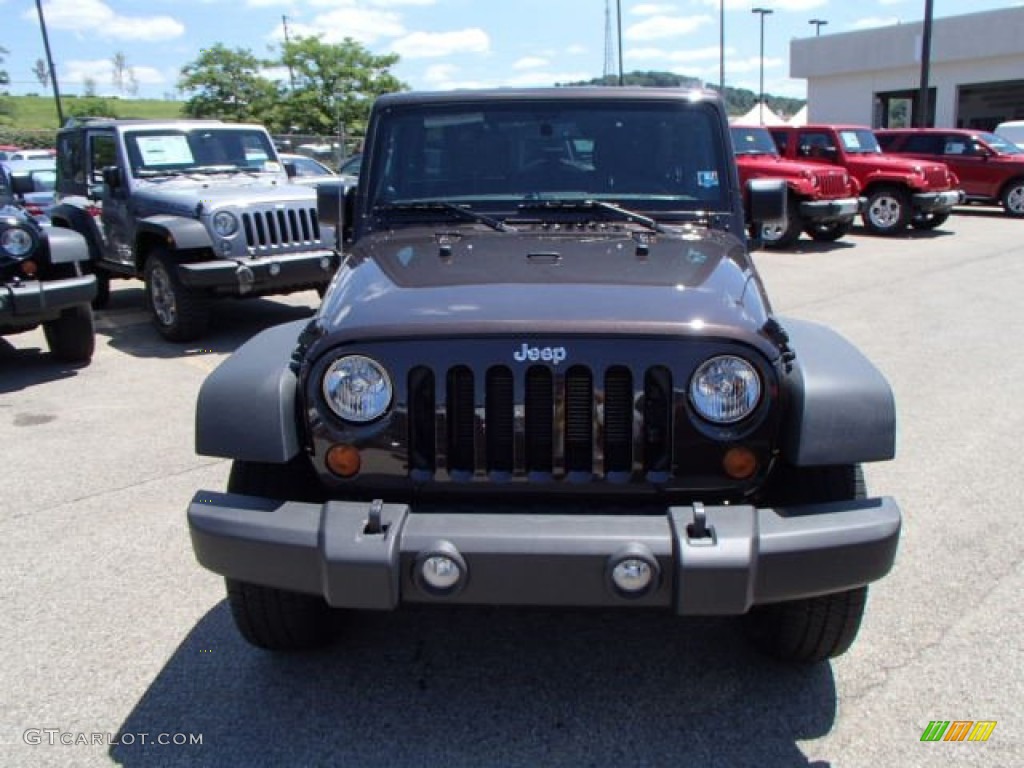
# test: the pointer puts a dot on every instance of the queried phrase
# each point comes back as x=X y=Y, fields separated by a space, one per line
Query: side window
x=924 y=144
x=70 y=160
x=102 y=152
x=813 y=144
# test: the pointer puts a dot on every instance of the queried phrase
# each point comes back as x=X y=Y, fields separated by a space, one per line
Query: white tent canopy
x=800 y=118
x=755 y=117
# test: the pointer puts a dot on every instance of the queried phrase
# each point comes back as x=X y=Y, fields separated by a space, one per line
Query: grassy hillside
x=31 y=120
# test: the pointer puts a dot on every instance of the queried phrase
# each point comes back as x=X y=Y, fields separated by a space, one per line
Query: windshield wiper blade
x=458 y=210
x=586 y=205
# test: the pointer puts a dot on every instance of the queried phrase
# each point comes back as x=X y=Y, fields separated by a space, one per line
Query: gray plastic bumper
x=937 y=202
x=262 y=274
x=709 y=560
x=827 y=210
x=35 y=301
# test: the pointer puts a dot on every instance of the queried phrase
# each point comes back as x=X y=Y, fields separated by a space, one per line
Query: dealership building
x=873 y=77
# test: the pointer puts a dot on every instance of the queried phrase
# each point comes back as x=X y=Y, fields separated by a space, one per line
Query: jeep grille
x=278 y=230
x=567 y=425
x=936 y=178
x=832 y=184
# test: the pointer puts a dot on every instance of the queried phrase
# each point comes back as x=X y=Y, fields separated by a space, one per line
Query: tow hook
x=698 y=532
x=246 y=279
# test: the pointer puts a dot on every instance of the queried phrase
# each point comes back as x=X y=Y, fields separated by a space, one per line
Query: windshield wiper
x=442 y=205
x=587 y=205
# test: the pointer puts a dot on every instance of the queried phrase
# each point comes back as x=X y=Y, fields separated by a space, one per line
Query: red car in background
x=990 y=168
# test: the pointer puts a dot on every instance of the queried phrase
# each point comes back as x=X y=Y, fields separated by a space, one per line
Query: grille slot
x=579 y=420
x=831 y=184
x=500 y=415
x=540 y=420
x=618 y=420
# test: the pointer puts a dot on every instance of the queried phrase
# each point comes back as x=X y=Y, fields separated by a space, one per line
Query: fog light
x=633 y=571
x=440 y=570
x=274 y=269
x=325 y=263
x=344 y=460
x=739 y=463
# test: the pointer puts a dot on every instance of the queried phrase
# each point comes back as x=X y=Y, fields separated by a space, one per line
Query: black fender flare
x=71 y=217
x=841 y=408
x=176 y=232
x=246 y=408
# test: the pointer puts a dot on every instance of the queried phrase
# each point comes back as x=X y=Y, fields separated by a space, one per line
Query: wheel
x=267 y=617
x=816 y=628
x=1013 y=198
x=178 y=313
x=887 y=211
x=929 y=220
x=830 y=232
x=783 y=233
x=72 y=337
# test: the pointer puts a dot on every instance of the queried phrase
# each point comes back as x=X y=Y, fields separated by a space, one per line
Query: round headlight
x=225 y=224
x=17 y=242
x=357 y=388
x=725 y=389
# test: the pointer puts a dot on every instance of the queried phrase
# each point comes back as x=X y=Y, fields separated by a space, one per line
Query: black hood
x=593 y=280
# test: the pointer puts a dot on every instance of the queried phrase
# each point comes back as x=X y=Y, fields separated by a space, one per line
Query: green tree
x=6 y=107
x=228 y=84
x=335 y=85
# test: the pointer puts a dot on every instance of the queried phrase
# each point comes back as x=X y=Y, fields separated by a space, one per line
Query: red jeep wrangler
x=990 y=168
x=822 y=202
x=899 y=191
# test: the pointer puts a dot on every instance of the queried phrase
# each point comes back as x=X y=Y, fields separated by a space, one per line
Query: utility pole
x=818 y=24
x=291 y=75
x=763 y=12
x=926 y=56
x=49 y=63
x=618 y=16
x=721 y=48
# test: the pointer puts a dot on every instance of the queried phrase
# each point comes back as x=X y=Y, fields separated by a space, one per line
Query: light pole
x=818 y=24
x=49 y=63
x=763 y=12
x=721 y=48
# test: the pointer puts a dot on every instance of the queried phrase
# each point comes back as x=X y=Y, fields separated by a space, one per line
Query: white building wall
x=844 y=71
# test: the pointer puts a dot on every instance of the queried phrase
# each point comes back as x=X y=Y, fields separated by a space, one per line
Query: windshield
x=859 y=141
x=752 y=141
x=1000 y=144
x=498 y=155
x=168 y=151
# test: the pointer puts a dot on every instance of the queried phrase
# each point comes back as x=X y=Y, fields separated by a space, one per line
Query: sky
x=442 y=43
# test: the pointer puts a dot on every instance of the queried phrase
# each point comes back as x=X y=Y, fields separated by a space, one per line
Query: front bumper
x=748 y=556
x=830 y=210
x=937 y=202
x=30 y=302
x=264 y=274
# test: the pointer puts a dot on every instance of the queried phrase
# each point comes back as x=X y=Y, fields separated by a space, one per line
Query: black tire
x=72 y=336
x=267 y=617
x=926 y=221
x=887 y=211
x=783 y=234
x=179 y=314
x=812 y=629
x=102 y=289
x=1013 y=198
x=830 y=232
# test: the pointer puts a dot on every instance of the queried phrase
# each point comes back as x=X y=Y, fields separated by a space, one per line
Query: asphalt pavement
x=119 y=649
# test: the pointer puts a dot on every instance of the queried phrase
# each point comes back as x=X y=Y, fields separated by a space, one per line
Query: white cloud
x=661 y=27
x=530 y=62
x=874 y=21
x=361 y=24
x=576 y=50
x=421 y=45
x=797 y=5
x=89 y=18
x=100 y=71
x=652 y=9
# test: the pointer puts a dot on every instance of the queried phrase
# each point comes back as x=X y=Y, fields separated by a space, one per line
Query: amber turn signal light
x=29 y=268
x=344 y=460
x=739 y=463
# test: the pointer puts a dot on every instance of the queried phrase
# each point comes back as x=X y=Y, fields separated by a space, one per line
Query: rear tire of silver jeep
x=887 y=211
x=179 y=314
x=72 y=336
x=815 y=628
x=267 y=617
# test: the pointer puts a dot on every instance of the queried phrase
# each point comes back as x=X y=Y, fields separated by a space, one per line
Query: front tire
x=926 y=221
x=179 y=314
x=267 y=617
x=72 y=336
x=830 y=232
x=783 y=234
x=1013 y=198
x=811 y=629
x=887 y=211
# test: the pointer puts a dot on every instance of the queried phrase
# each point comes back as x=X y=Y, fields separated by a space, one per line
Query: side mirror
x=22 y=183
x=290 y=170
x=767 y=200
x=112 y=176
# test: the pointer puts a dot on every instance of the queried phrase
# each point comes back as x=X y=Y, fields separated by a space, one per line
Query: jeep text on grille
x=197 y=209
x=547 y=373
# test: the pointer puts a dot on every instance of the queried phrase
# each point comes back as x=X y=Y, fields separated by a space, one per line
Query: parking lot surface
x=117 y=642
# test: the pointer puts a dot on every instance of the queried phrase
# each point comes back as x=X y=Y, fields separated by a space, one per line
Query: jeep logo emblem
x=553 y=355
